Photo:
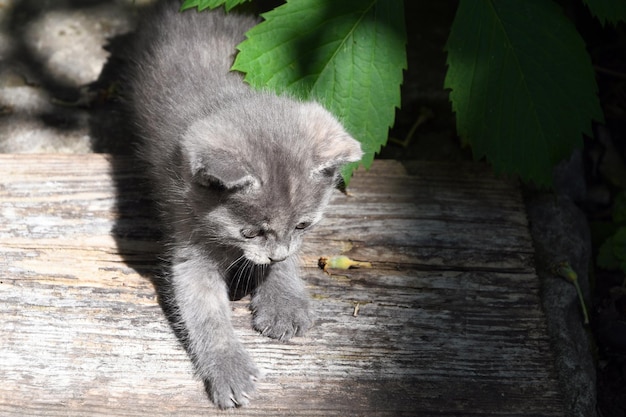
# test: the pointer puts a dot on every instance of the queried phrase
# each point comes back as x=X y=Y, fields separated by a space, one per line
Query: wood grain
x=446 y=323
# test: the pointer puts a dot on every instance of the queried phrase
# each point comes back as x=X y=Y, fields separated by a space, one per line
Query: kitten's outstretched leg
x=281 y=304
x=204 y=309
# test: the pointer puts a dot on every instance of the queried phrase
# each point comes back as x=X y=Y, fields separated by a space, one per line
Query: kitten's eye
x=303 y=225
x=251 y=233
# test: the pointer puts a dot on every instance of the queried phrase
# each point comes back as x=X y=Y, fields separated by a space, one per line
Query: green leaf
x=522 y=84
x=612 y=254
x=601 y=231
x=348 y=55
x=612 y=11
x=619 y=209
x=606 y=259
x=210 y=4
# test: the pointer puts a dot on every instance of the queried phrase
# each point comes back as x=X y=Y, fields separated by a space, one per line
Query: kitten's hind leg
x=281 y=305
x=203 y=308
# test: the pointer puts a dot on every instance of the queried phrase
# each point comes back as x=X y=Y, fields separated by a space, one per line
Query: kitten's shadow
x=136 y=230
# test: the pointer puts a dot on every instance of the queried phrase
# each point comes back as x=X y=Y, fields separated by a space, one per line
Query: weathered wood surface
x=448 y=320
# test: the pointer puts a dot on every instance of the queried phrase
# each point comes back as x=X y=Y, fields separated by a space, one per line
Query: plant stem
x=564 y=270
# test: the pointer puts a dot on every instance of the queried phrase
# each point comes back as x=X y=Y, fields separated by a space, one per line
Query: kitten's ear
x=335 y=147
x=213 y=162
x=216 y=169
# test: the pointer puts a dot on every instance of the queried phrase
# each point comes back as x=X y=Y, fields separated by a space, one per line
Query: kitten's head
x=262 y=172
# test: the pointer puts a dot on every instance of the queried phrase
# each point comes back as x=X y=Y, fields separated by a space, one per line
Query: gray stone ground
x=49 y=49
x=561 y=234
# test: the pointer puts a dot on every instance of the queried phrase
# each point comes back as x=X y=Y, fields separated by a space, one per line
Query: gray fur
x=239 y=175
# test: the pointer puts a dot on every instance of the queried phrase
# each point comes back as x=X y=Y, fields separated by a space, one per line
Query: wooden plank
x=447 y=322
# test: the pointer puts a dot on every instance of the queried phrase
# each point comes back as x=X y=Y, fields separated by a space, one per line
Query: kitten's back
x=181 y=67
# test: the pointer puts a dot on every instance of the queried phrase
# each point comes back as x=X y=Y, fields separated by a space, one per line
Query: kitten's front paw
x=232 y=379
x=282 y=319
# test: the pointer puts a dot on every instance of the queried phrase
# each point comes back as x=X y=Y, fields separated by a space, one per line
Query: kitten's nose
x=277 y=259
x=279 y=254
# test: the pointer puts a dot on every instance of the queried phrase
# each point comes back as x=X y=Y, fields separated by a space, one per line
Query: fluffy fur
x=239 y=176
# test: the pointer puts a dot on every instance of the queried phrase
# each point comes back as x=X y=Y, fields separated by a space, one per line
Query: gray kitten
x=239 y=175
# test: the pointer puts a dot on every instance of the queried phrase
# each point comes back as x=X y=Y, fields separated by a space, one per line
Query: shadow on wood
x=447 y=322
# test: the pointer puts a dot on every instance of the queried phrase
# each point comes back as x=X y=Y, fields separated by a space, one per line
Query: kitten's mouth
x=276 y=260
x=264 y=260
x=258 y=259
